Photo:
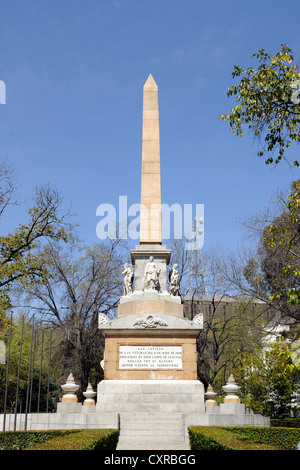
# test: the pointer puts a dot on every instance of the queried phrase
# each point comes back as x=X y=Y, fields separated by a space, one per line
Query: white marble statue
x=151 y=276
x=128 y=278
x=174 y=280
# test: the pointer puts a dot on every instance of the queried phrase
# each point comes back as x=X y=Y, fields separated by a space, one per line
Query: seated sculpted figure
x=151 y=275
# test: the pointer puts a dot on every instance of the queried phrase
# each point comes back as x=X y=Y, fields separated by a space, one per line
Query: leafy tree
x=273 y=270
x=269 y=380
x=19 y=260
x=232 y=324
x=231 y=328
x=268 y=102
x=82 y=282
x=282 y=240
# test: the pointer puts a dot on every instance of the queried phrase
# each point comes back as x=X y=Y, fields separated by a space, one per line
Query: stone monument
x=150 y=363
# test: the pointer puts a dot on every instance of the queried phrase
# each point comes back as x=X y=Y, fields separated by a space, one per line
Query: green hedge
x=287 y=438
x=87 y=439
x=285 y=422
x=219 y=438
x=18 y=440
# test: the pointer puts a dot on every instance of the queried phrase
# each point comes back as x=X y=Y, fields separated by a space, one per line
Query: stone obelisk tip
x=151 y=83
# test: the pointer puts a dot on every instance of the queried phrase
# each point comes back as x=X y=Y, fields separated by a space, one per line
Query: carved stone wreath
x=150 y=321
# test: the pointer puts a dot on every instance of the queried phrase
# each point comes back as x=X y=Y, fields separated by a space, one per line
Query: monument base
x=150 y=396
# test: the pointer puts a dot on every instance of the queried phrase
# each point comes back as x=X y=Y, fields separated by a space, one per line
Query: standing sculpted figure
x=128 y=278
x=174 y=280
x=151 y=275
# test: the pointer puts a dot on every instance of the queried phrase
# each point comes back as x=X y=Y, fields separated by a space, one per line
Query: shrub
x=219 y=438
x=287 y=438
x=285 y=422
x=18 y=440
x=87 y=439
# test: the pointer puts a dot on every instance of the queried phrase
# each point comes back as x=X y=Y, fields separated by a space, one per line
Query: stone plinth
x=150 y=302
x=69 y=407
x=232 y=408
x=150 y=396
x=140 y=257
x=232 y=399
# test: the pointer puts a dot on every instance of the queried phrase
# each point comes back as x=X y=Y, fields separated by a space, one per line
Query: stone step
x=137 y=438
x=151 y=432
x=150 y=398
x=145 y=446
x=151 y=418
x=172 y=427
x=169 y=417
x=155 y=431
x=168 y=407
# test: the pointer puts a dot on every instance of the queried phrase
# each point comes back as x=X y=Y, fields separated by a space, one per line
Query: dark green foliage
x=200 y=440
x=286 y=438
x=88 y=439
x=285 y=422
x=266 y=103
x=19 y=440
x=219 y=438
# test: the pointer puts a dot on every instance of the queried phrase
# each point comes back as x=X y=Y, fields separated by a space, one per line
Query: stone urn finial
x=89 y=395
x=231 y=388
x=69 y=389
x=210 y=395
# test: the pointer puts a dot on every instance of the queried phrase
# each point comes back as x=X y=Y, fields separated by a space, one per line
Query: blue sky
x=74 y=72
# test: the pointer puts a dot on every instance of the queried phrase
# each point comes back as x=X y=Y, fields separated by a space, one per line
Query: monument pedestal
x=150 y=370
x=150 y=346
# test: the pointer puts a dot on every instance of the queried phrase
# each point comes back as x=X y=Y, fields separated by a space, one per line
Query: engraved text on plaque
x=150 y=357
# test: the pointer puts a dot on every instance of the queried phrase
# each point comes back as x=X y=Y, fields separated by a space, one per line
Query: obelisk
x=150 y=215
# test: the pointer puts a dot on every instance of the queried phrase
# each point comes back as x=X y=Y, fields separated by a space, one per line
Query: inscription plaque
x=150 y=357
